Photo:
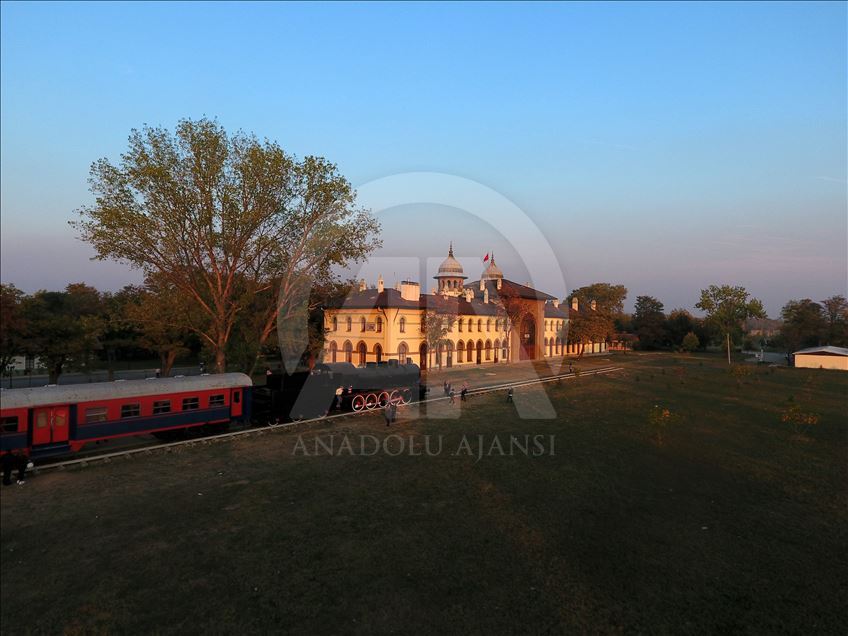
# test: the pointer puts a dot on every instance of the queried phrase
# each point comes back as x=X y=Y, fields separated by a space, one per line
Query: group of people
x=451 y=393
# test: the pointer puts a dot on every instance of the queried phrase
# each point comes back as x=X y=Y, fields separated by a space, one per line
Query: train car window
x=191 y=403
x=161 y=406
x=237 y=397
x=9 y=424
x=41 y=420
x=130 y=410
x=216 y=400
x=97 y=414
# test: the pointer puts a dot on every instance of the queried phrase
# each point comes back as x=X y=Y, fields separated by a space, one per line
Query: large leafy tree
x=12 y=324
x=437 y=324
x=804 y=324
x=227 y=221
x=836 y=314
x=727 y=307
x=63 y=327
x=649 y=322
x=608 y=297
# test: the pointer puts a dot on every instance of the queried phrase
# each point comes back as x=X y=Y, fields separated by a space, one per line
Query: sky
x=664 y=146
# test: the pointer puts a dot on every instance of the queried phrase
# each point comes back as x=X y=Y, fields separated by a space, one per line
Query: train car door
x=50 y=425
x=236 y=407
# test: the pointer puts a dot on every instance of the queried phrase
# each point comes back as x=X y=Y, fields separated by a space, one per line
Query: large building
x=822 y=358
x=486 y=321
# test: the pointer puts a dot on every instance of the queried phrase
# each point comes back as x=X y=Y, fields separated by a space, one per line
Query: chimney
x=482 y=284
x=575 y=304
x=361 y=284
x=593 y=305
x=499 y=283
x=410 y=290
x=380 y=286
x=555 y=303
x=486 y=296
x=469 y=295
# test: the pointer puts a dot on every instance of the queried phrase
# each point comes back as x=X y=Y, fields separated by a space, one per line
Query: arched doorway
x=497 y=349
x=334 y=351
x=422 y=356
x=460 y=350
x=363 y=353
x=527 y=337
x=469 y=349
x=449 y=350
x=378 y=353
x=403 y=353
x=348 y=351
x=479 y=351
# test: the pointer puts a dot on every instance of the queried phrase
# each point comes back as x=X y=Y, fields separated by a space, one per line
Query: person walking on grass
x=452 y=396
x=463 y=395
x=509 y=394
x=446 y=388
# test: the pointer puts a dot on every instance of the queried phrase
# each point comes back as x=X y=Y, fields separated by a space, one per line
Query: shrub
x=690 y=342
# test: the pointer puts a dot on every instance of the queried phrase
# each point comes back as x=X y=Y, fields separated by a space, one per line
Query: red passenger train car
x=54 y=420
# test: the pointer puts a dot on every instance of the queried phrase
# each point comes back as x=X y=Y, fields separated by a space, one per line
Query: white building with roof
x=826 y=357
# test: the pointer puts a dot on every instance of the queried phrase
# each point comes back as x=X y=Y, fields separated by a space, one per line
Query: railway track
x=147 y=449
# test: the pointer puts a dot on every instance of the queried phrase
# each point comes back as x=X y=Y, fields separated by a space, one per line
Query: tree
x=12 y=324
x=727 y=307
x=63 y=327
x=227 y=222
x=804 y=324
x=836 y=313
x=690 y=342
x=164 y=318
x=607 y=297
x=437 y=324
x=679 y=323
x=649 y=322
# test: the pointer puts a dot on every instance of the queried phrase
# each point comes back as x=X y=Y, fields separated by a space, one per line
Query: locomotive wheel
x=384 y=398
x=370 y=401
x=407 y=396
x=395 y=396
x=358 y=403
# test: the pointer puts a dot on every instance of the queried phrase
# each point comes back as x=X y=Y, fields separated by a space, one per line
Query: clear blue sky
x=663 y=146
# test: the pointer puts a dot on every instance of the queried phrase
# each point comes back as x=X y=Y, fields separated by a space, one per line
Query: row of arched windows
x=554 y=346
x=480 y=324
x=347 y=352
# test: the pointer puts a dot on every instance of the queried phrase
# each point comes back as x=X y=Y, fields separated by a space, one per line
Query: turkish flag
x=485 y=258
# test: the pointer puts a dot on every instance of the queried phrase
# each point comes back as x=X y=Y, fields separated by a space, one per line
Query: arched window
x=449 y=347
x=503 y=349
x=460 y=325
x=403 y=352
x=489 y=324
x=363 y=352
x=479 y=324
x=362 y=324
x=403 y=325
x=559 y=345
x=460 y=350
x=334 y=350
x=469 y=352
x=470 y=325
x=348 y=351
x=335 y=323
x=497 y=324
x=497 y=348
x=488 y=349
x=379 y=324
x=349 y=323
x=378 y=352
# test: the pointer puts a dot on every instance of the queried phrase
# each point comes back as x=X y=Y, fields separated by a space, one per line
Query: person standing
x=509 y=394
x=387 y=413
x=452 y=396
x=463 y=395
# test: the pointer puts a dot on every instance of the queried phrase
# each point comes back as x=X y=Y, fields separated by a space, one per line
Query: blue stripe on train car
x=13 y=441
x=151 y=423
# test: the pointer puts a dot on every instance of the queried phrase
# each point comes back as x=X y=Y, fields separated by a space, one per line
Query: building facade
x=489 y=321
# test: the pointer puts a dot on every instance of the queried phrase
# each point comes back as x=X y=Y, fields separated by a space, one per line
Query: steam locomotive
x=56 y=420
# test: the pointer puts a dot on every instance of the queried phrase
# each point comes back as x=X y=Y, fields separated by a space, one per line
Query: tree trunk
x=168 y=359
x=220 y=359
x=728 y=347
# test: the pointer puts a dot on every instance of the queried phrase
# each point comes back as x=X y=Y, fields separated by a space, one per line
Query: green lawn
x=727 y=519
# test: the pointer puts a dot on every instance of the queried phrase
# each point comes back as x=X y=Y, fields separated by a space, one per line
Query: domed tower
x=450 y=275
x=492 y=272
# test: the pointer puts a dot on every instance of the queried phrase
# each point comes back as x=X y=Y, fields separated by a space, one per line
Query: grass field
x=718 y=516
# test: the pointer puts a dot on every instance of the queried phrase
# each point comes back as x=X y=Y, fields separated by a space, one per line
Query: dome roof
x=492 y=272
x=450 y=267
